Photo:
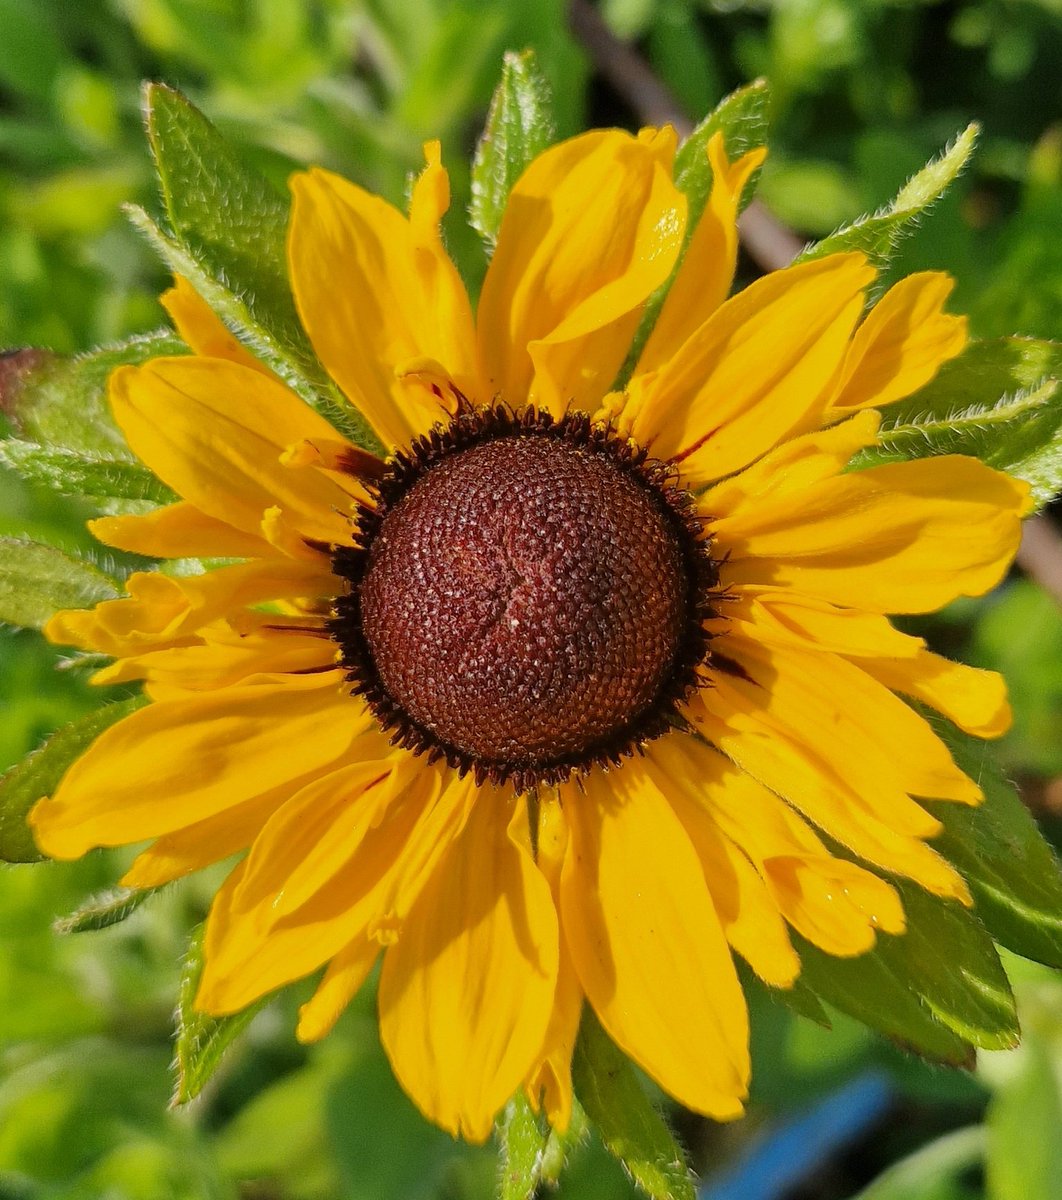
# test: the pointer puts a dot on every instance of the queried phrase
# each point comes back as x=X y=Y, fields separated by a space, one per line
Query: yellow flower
x=557 y=702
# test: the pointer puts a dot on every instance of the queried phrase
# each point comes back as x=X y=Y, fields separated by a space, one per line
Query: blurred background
x=864 y=91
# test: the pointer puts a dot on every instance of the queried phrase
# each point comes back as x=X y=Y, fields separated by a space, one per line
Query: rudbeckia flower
x=573 y=693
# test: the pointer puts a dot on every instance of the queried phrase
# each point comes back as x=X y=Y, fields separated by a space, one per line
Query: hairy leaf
x=37 y=580
x=39 y=774
x=79 y=473
x=877 y=236
x=1000 y=401
x=201 y=1040
x=629 y=1125
x=519 y=127
x=227 y=236
x=524 y=1136
x=61 y=403
x=103 y=910
x=938 y=989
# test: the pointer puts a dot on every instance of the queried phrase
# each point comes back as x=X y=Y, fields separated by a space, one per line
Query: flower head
x=580 y=690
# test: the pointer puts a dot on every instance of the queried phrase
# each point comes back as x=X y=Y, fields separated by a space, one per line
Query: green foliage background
x=864 y=93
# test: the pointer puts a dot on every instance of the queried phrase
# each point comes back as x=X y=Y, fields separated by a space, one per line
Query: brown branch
x=766 y=239
x=1040 y=555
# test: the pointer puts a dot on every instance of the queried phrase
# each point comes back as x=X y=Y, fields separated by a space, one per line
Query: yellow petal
x=177 y=531
x=375 y=290
x=253 y=948
x=706 y=272
x=591 y=228
x=164 y=610
x=220 y=443
x=647 y=943
x=550 y=1083
x=226 y=657
x=466 y=992
x=974 y=700
x=792 y=467
x=753 y=372
x=750 y=918
x=851 y=720
x=779 y=614
x=208 y=841
x=201 y=328
x=835 y=904
x=175 y=763
x=902 y=343
x=340 y=984
x=903 y=538
x=791 y=770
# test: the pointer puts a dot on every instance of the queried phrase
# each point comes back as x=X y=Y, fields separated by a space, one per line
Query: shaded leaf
x=524 y=1136
x=37 y=580
x=201 y=1040
x=40 y=772
x=519 y=127
x=629 y=1125
x=103 y=910
x=999 y=402
x=877 y=236
x=77 y=473
x=1014 y=875
x=938 y=989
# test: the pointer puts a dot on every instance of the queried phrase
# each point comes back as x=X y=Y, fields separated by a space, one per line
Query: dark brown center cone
x=524 y=601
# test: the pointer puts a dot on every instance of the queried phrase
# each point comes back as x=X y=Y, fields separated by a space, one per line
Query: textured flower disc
x=528 y=599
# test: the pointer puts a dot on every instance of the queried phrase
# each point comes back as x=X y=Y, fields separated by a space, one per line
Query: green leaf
x=877 y=236
x=631 y=1128
x=938 y=989
x=201 y=1040
x=103 y=910
x=519 y=127
x=76 y=473
x=1012 y=871
x=999 y=401
x=40 y=772
x=227 y=236
x=36 y=581
x=1024 y=1160
x=61 y=403
x=922 y=1175
x=524 y=1136
x=742 y=119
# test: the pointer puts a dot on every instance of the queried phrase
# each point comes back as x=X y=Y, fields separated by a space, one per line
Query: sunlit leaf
x=74 y=473
x=524 y=1136
x=37 y=580
x=1000 y=401
x=104 y=910
x=201 y=1040
x=227 y=235
x=61 y=403
x=519 y=127
x=877 y=236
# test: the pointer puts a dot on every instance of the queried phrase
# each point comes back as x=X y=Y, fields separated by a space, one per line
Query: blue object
x=781 y=1157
